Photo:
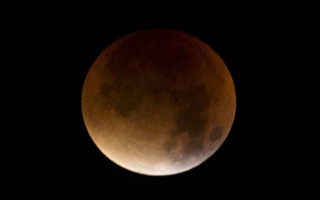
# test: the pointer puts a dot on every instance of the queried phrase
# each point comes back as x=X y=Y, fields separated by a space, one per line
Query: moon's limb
x=158 y=102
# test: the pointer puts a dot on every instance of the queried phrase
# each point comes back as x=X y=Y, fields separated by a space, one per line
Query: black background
x=271 y=50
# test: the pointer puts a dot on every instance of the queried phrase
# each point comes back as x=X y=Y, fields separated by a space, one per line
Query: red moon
x=158 y=102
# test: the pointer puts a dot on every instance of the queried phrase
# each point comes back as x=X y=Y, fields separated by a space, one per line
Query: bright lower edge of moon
x=158 y=102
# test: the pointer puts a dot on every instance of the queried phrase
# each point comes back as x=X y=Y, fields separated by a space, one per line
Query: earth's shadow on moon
x=142 y=73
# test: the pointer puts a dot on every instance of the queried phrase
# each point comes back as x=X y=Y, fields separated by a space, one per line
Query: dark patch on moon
x=216 y=134
x=105 y=89
x=123 y=98
x=193 y=117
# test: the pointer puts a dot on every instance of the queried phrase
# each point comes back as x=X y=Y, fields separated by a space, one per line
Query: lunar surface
x=158 y=102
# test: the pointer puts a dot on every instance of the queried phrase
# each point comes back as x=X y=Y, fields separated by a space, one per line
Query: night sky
x=271 y=50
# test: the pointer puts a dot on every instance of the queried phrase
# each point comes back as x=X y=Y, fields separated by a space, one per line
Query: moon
x=158 y=102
